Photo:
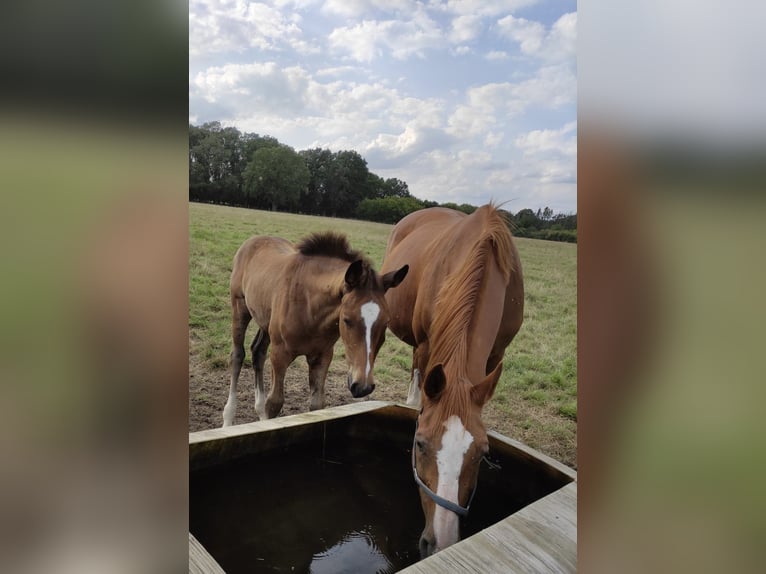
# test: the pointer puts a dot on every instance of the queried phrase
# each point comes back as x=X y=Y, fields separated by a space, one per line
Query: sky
x=467 y=101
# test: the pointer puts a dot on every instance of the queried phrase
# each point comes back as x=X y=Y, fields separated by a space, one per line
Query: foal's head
x=363 y=320
x=449 y=444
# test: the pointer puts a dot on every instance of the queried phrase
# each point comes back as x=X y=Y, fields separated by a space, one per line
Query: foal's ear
x=393 y=278
x=482 y=392
x=435 y=382
x=354 y=274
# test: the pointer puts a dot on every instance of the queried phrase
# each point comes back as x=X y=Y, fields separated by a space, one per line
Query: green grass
x=536 y=397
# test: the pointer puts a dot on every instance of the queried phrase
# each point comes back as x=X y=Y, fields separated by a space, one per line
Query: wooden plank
x=532 y=453
x=200 y=562
x=541 y=538
x=309 y=417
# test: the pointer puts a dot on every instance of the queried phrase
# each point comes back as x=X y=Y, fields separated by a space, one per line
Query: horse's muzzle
x=427 y=546
x=359 y=389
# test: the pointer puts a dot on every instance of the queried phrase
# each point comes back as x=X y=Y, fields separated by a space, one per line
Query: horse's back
x=435 y=242
x=258 y=272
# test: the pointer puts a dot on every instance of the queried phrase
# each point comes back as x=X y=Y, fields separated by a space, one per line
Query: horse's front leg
x=419 y=363
x=280 y=360
x=413 y=395
x=318 y=367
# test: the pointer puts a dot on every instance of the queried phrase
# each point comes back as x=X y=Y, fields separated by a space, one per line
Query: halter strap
x=443 y=502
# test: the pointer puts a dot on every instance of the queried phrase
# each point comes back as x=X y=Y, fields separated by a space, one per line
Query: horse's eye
x=347 y=321
x=421 y=446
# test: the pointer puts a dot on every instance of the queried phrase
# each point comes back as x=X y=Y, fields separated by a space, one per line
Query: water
x=354 y=508
x=300 y=512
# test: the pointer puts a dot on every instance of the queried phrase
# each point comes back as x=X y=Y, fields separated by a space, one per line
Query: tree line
x=229 y=167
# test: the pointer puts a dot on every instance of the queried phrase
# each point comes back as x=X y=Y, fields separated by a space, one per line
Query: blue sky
x=465 y=100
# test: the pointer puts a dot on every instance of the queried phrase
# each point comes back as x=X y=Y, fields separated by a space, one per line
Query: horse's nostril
x=426 y=547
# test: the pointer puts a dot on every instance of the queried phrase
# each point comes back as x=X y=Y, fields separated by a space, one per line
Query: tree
x=275 y=177
x=527 y=219
x=394 y=187
x=348 y=184
x=320 y=164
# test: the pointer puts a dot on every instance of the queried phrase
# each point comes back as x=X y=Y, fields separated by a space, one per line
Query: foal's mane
x=328 y=243
x=459 y=296
x=333 y=244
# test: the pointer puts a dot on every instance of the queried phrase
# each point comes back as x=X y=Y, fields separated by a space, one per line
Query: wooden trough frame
x=539 y=538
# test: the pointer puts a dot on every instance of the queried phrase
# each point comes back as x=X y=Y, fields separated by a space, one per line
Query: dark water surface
x=352 y=509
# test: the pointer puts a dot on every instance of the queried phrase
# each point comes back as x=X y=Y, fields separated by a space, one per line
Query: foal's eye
x=421 y=446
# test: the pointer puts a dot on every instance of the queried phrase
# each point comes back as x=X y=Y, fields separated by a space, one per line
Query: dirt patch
x=208 y=390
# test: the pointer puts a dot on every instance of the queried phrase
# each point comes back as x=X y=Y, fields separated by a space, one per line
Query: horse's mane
x=458 y=297
x=328 y=243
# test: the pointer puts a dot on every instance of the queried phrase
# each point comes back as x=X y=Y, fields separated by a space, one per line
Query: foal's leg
x=240 y=319
x=318 y=367
x=259 y=349
x=280 y=360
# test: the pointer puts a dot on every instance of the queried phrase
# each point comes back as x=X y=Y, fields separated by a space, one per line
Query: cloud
x=360 y=8
x=372 y=39
x=485 y=7
x=262 y=86
x=558 y=44
x=496 y=55
x=465 y=28
x=562 y=141
x=551 y=87
x=217 y=26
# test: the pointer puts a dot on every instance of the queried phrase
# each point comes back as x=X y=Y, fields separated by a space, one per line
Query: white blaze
x=449 y=461
x=370 y=312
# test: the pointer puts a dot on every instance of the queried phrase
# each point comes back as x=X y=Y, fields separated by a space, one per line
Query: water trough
x=332 y=491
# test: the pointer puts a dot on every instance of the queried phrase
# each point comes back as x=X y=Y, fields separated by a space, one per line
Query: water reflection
x=356 y=552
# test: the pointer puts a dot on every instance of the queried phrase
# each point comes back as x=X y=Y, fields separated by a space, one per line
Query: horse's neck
x=327 y=276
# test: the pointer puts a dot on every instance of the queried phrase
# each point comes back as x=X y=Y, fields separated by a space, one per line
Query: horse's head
x=363 y=320
x=449 y=444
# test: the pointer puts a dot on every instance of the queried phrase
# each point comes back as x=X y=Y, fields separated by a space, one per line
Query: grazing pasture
x=535 y=401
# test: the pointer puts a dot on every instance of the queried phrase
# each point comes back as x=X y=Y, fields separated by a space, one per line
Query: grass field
x=536 y=399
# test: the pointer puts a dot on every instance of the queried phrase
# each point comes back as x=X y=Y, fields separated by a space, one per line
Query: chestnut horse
x=461 y=307
x=303 y=297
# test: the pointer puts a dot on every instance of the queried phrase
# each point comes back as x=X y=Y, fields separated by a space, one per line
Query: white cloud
x=562 y=141
x=492 y=139
x=217 y=26
x=360 y=8
x=558 y=44
x=496 y=55
x=551 y=87
x=261 y=86
x=465 y=28
x=401 y=39
x=484 y=7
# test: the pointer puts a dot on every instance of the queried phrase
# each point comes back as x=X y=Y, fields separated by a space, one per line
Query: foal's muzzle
x=359 y=389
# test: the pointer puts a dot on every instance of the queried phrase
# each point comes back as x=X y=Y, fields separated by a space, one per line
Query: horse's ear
x=482 y=392
x=354 y=274
x=435 y=382
x=393 y=278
